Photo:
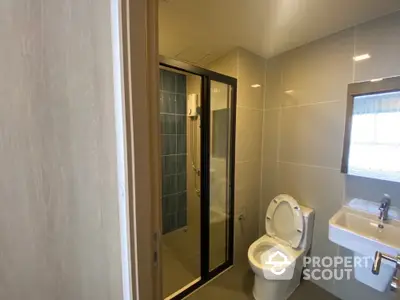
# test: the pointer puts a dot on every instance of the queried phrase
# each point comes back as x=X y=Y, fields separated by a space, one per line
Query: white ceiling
x=199 y=31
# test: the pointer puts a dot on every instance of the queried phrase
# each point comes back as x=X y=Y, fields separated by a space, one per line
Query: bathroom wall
x=59 y=225
x=173 y=136
x=303 y=128
x=249 y=69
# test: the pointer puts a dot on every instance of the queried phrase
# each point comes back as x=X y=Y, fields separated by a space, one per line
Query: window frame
x=371 y=87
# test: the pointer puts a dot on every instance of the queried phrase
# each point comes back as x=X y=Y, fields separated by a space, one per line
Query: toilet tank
x=308 y=215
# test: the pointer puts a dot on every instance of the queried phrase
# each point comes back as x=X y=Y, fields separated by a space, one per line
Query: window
x=374 y=144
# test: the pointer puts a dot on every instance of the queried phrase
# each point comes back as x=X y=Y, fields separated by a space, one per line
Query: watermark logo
x=277 y=264
x=280 y=265
x=334 y=267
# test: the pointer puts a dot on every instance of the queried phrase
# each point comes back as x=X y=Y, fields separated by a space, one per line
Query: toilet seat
x=281 y=250
x=284 y=221
x=262 y=245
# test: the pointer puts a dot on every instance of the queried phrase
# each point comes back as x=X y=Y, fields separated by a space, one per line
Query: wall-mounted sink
x=360 y=232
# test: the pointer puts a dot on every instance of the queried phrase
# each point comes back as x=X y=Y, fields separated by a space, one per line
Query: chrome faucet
x=384 y=208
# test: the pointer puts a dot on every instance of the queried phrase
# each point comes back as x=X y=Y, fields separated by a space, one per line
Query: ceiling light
x=376 y=79
x=289 y=92
x=361 y=57
x=256 y=85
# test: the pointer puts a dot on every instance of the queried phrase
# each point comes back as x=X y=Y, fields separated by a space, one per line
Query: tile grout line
x=301 y=105
x=249 y=107
x=260 y=204
x=309 y=166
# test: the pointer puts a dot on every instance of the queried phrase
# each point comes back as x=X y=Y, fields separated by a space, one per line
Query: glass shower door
x=197 y=108
x=220 y=139
x=180 y=240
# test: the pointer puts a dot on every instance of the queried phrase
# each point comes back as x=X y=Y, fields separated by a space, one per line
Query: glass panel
x=219 y=172
x=180 y=136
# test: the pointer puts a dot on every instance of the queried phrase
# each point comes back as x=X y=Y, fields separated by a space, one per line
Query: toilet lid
x=284 y=220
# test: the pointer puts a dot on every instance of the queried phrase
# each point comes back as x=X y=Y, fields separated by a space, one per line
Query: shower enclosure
x=197 y=108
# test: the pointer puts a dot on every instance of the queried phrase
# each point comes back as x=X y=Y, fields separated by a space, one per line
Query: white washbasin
x=359 y=231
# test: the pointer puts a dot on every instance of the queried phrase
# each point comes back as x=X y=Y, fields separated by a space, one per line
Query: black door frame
x=206 y=77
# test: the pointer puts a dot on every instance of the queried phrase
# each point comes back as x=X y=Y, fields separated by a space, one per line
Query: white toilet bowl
x=289 y=230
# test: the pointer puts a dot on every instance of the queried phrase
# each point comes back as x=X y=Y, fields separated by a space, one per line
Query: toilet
x=277 y=257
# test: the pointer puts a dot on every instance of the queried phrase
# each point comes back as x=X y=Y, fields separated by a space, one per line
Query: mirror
x=372 y=140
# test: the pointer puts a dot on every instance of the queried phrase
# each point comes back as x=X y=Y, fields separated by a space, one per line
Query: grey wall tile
x=167 y=102
x=169 y=184
x=182 y=201
x=181 y=83
x=173 y=129
x=372 y=189
x=181 y=218
x=181 y=164
x=353 y=289
x=168 y=124
x=181 y=182
x=180 y=124
x=180 y=104
x=168 y=81
x=169 y=164
x=169 y=222
x=169 y=144
x=171 y=204
x=181 y=144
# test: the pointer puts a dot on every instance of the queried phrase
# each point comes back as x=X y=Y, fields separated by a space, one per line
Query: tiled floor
x=181 y=255
x=176 y=273
x=237 y=283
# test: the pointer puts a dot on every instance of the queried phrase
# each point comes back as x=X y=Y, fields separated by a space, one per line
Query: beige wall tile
x=248 y=180
x=247 y=199
x=320 y=189
x=227 y=65
x=248 y=134
x=269 y=181
x=319 y=71
x=269 y=162
x=381 y=39
x=313 y=134
x=248 y=145
x=270 y=135
x=310 y=135
x=246 y=230
x=251 y=71
x=315 y=187
x=274 y=82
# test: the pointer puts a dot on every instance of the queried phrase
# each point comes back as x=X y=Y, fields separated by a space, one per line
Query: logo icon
x=277 y=264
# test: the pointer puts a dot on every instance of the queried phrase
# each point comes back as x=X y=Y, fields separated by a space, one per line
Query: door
x=203 y=245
